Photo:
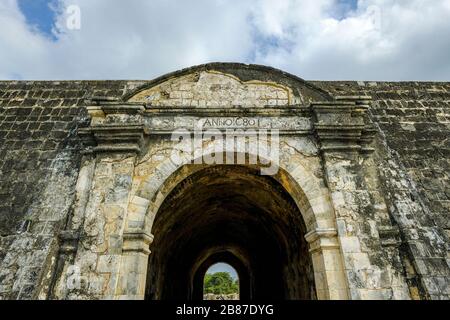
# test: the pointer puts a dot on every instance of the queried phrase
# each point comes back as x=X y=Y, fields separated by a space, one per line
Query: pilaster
x=345 y=134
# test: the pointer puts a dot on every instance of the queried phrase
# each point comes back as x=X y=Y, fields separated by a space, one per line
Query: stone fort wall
x=40 y=159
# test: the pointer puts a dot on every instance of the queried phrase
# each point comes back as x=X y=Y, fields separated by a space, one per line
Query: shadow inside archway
x=231 y=214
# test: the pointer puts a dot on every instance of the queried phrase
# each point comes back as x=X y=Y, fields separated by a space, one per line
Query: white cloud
x=140 y=39
x=381 y=40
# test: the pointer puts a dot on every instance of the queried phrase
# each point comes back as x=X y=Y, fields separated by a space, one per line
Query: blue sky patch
x=40 y=15
x=343 y=8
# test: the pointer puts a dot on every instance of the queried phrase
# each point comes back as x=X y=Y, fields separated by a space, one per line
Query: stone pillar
x=133 y=269
x=345 y=136
x=104 y=242
x=329 y=276
x=135 y=252
x=69 y=237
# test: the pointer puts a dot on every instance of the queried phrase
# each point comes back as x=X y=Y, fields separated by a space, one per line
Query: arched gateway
x=230 y=163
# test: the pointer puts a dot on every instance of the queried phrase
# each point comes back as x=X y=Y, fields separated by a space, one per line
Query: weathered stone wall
x=405 y=185
x=412 y=156
x=412 y=163
x=39 y=162
x=415 y=120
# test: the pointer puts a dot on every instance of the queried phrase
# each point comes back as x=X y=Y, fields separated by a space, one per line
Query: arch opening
x=231 y=214
x=221 y=282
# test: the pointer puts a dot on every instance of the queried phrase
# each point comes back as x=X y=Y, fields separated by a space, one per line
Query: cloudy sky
x=142 y=39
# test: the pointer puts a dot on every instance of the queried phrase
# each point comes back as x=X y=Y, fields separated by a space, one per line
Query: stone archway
x=235 y=208
x=133 y=181
x=308 y=199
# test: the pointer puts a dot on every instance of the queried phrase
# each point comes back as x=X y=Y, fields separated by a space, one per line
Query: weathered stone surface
x=370 y=179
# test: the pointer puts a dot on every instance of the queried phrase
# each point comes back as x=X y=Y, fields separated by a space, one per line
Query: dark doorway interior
x=235 y=215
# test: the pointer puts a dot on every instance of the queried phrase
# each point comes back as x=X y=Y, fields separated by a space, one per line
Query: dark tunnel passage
x=229 y=214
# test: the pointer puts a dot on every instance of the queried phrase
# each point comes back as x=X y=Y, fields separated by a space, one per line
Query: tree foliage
x=220 y=283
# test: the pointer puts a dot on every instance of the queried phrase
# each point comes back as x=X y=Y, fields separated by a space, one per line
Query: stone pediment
x=226 y=86
x=210 y=89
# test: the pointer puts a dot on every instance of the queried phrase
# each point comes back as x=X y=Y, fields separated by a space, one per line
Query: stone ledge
x=138 y=241
x=122 y=109
x=114 y=137
x=321 y=239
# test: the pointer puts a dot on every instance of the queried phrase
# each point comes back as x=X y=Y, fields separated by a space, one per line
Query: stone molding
x=340 y=125
x=115 y=127
x=322 y=239
x=137 y=242
x=343 y=125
